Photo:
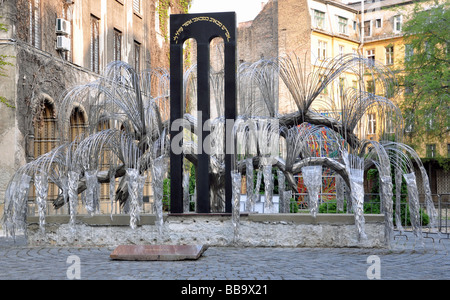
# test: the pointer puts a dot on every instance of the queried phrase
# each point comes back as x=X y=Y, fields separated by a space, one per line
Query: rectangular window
x=372 y=124
x=319 y=19
x=447 y=123
x=378 y=23
x=137 y=6
x=137 y=56
x=341 y=50
x=389 y=123
x=341 y=86
x=431 y=150
x=371 y=54
x=117 y=45
x=397 y=23
x=34 y=36
x=322 y=80
x=368 y=28
x=409 y=86
x=390 y=55
x=429 y=121
x=409 y=52
x=95 y=45
x=370 y=87
x=322 y=50
x=342 y=25
x=428 y=50
x=409 y=120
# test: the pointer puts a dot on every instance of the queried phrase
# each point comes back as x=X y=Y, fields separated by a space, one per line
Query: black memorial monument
x=203 y=28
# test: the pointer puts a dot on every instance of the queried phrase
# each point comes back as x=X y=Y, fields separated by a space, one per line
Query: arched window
x=77 y=123
x=45 y=131
x=45 y=139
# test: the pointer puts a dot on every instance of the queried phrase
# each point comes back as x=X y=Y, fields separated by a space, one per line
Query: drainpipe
x=331 y=30
x=361 y=51
x=361 y=45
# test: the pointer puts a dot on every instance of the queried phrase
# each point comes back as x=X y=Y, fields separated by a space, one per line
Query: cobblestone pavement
x=406 y=260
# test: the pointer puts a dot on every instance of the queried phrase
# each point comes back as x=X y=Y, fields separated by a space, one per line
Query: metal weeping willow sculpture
x=303 y=140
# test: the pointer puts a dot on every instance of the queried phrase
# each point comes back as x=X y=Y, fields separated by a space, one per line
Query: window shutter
x=137 y=5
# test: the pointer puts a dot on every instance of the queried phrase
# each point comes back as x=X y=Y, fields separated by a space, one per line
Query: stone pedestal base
x=158 y=252
x=255 y=230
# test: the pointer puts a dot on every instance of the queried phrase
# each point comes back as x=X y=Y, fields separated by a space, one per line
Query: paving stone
x=403 y=261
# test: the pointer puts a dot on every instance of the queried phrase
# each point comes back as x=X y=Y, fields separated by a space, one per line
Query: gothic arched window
x=45 y=130
x=77 y=123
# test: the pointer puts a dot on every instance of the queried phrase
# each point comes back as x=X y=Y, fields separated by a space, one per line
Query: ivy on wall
x=443 y=162
x=4 y=63
x=163 y=13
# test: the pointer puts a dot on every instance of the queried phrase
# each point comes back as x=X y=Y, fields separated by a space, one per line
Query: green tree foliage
x=427 y=71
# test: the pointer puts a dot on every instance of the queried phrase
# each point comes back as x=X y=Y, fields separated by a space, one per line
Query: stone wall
x=283 y=27
x=256 y=230
x=11 y=139
x=259 y=38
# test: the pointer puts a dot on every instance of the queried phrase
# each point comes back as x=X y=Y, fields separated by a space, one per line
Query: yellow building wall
x=333 y=43
x=397 y=68
x=335 y=46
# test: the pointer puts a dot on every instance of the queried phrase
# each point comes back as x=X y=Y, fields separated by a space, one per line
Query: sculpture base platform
x=158 y=252
x=215 y=230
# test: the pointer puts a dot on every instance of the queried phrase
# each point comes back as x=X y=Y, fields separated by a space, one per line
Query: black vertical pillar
x=230 y=112
x=176 y=112
x=203 y=106
x=203 y=28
